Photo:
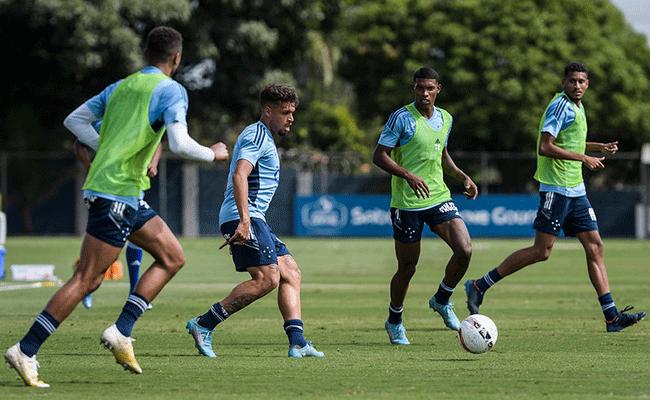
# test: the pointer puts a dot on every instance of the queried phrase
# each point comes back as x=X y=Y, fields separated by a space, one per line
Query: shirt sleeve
x=98 y=103
x=173 y=104
x=451 y=124
x=249 y=148
x=559 y=115
x=393 y=130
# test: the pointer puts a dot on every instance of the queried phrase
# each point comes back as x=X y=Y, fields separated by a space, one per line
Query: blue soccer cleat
x=396 y=333
x=87 y=301
x=307 y=350
x=446 y=311
x=474 y=296
x=202 y=338
x=624 y=320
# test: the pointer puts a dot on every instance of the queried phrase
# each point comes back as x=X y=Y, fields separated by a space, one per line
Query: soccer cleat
x=202 y=337
x=474 y=296
x=446 y=311
x=122 y=348
x=149 y=306
x=396 y=333
x=307 y=350
x=26 y=367
x=87 y=301
x=623 y=320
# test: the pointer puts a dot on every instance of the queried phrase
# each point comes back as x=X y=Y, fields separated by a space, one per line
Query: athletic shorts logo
x=592 y=214
x=448 y=207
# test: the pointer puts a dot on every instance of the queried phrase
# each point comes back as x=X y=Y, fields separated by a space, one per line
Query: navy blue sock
x=133 y=260
x=488 y=280
x=395 y=314
x=293 y=329
x=134 y=307
x=608 y=306
x=215 y=315
x=43 y=327
x=443 y=294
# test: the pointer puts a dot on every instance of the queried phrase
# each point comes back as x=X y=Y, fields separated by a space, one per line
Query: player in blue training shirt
x=140 y=109
x=252 y=181
x=561 y=146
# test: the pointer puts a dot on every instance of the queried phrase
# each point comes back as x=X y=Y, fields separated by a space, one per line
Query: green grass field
x=552 y=341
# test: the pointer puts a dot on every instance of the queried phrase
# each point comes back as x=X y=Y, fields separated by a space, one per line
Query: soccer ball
x=477 y=334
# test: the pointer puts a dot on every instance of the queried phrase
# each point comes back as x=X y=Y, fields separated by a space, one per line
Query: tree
x=500 y=62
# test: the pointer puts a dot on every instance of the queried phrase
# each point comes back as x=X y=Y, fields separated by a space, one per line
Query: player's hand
x=220 y=151
x=594 y=163
x=471 y=190
x=418 y=185
x=609 y=148
x=152 y=171
x=242 y=233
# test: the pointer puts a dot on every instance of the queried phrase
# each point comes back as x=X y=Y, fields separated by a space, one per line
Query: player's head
x=575 y=81
x=426 y=86
x=164 y=46
x=278 y=103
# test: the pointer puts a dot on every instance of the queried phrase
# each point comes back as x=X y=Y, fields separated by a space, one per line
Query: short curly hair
x=275 y=93
x=575 y=67
x=162 y=43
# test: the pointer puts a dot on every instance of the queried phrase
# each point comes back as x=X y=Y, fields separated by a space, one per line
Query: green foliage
x=500 y=62
x=330 y=127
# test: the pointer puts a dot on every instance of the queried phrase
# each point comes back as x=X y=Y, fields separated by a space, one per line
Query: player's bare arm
x=605 y=148
x=381 y=158
x=240 y=191
x=451 y=169
x=152 y=168
x=83 y=153
x=548 y=148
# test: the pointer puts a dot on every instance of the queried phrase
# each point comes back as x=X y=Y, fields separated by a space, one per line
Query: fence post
x=4 y=176
x=80 y=213
x=190 y=173
x=162 y=187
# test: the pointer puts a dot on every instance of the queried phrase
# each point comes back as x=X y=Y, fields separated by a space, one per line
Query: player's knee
x=596 y=249
x=543 y=253
x=406 y=267
x=267 y=280
x=173 y=262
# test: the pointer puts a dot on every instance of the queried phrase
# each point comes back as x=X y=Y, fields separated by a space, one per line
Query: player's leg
x=263 y=280
x=157 y=239
x=289 y=304
x=133 y=262
x=407 y=233
x=551 y=216
x=258 y=258
x=109 y=222
x=455 y=234
x=583 y=225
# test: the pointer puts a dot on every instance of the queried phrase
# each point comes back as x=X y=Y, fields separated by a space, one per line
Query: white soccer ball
x=477 y=334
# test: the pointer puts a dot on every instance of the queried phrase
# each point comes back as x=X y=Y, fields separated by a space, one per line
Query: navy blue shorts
x=263 y=247
x=408 y=225
x=570 y=214
x=110 y=221
x=145 y=213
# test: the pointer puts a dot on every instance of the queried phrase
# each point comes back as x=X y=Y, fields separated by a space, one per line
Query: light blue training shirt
x=559 y=115
x=255 y=144
x=168 y=105
x=400 y=127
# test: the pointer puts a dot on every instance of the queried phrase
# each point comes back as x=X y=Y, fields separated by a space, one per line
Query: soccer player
x=133 y=253
x=564 y=206
x=253 y=178
x=412 y=147
x=135 y=112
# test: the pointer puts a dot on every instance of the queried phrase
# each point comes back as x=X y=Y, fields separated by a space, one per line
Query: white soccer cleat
x=122 y=348
x=26 y=367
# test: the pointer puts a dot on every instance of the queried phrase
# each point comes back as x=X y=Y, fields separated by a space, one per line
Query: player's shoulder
x=444 y=113
x=398 y=118
x=172 y=88
x=559 y=104
x=255 y=133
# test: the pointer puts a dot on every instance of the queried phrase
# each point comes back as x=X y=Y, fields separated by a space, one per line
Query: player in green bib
x=413 y=149
x=134 y=113
x=561 y=146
